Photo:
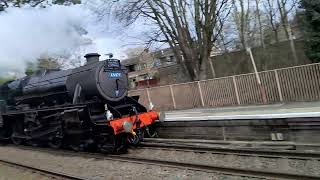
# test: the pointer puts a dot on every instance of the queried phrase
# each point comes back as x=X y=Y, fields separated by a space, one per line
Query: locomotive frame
x=81 y=109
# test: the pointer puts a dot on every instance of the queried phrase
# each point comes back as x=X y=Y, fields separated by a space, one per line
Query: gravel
x=97 y=169
x=300 y=166
x=8 y=172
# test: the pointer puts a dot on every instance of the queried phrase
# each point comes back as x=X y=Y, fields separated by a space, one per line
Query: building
x=157 y=68
x=152 y=69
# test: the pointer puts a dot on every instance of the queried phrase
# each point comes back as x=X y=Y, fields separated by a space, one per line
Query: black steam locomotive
x=82 y=108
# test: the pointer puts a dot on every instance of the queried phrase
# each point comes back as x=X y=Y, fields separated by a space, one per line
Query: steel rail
x=235 y=151
x=43 y=171
x=218 y=169
x=256 y=173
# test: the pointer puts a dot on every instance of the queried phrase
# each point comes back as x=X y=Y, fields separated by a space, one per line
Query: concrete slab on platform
x=274 y=111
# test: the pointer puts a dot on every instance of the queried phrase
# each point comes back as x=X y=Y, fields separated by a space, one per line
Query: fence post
x=172 y=96
x=201 y=95
x=212 y=69
x=278 y=85
x=148 y=95
x=236 y=89
x=262 y=89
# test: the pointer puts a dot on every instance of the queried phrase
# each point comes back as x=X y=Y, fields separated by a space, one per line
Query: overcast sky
x=28 y=33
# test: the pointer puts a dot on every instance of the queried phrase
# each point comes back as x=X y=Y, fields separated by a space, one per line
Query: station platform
x=274 y=111
x=295 y=122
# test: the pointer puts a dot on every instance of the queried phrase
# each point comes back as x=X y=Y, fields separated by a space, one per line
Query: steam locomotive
x=83 y=108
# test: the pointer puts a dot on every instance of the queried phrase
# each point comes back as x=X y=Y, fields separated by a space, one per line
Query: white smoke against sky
x=28 y=33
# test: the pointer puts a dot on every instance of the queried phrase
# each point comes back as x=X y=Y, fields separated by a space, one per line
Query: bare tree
x=247 y=20
x=241 y=18
x=190 y=27
x=258 y=12
x=285 y=7
x=282 y=5
x=222 y=42
x=272 y=18
x=134 y=52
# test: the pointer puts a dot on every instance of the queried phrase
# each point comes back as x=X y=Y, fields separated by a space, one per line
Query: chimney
x=92 y=58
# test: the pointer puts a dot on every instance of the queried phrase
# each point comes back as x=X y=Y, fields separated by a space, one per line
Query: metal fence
x=300 y=83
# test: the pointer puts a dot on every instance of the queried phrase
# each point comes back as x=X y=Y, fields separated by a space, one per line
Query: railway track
x=291 y=154
x=43 y=172
x=233 y=171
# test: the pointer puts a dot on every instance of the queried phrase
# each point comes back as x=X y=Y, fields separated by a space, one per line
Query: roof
x=163 y=52
x=131 y=61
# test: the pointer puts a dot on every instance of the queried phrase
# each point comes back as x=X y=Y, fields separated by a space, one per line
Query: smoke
x=28 y=33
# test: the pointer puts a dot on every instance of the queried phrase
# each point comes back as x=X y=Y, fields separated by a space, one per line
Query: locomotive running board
x=44 y=109
x=23 y=98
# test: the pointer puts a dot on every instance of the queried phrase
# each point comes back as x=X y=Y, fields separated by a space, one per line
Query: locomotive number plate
x=114 y=74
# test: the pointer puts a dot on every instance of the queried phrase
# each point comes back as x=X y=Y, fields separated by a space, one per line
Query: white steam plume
x=28 y=33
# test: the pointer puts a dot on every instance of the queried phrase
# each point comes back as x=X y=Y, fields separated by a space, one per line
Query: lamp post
x=262 y=89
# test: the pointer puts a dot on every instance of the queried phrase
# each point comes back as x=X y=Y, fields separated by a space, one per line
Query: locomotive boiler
x=82 y=108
